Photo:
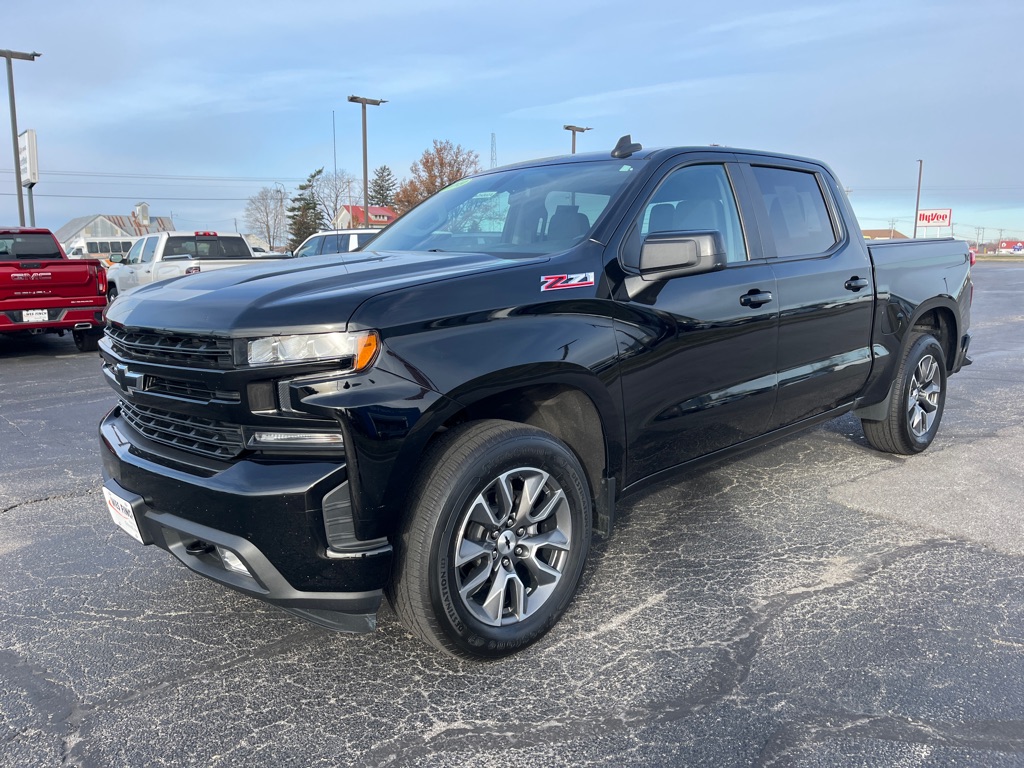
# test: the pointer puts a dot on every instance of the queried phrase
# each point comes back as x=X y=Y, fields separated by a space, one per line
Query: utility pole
x=366 y=169
x=9 y=55
x=892 y=228
x=494 y=151
x=574 y=129
x=917 y=205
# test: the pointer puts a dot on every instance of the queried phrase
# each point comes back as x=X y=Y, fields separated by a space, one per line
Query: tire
x=915 y=408
x=481 y=569
x=111 y=293
x=87 y=341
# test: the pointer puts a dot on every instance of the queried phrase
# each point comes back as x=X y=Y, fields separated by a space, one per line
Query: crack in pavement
x=990 y=735
x=730 y=670
x=57 y=497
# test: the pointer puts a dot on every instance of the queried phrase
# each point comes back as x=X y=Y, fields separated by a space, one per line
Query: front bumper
x=267 y=513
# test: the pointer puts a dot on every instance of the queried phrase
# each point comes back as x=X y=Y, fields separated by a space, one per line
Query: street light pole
x=575 y=129
x=917 y=205
x=9 y=55
x=366 y=169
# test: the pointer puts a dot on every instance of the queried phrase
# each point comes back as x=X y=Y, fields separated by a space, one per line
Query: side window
x=92 y=248
x=797 y=211
x=149 y=249
x=363 y=238
x=310 y=248
x=133 y=254
x=331 y=244
x=693 y=198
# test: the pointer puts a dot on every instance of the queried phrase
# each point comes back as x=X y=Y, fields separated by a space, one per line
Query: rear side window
x=799 y=218
x=331 y=244
x=363 y=238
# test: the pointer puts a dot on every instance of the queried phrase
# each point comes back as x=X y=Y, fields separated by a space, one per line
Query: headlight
x=360 y=347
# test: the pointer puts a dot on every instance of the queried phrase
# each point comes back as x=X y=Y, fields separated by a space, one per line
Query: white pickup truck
x=174 y=254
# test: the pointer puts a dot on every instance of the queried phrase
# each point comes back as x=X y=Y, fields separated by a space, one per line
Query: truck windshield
x=536 y=210
x=33 y=246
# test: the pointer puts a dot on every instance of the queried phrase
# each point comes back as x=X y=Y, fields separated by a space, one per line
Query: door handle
x=856 y=283
x=755 y=298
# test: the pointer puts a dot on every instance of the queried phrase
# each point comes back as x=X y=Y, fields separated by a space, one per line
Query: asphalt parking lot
x=814 y=603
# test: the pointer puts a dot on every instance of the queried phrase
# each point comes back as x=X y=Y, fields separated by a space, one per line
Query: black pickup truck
x=446 y=419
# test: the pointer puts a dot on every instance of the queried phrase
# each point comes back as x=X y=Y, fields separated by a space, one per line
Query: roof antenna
x=625 y=147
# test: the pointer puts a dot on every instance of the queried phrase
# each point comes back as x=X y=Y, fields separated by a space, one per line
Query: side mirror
x=674 y=254
x=116 y=258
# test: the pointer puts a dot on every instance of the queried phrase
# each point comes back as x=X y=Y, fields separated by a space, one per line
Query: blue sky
x=195 y=106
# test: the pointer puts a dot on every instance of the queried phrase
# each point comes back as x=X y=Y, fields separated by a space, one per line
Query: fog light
x=232 y=562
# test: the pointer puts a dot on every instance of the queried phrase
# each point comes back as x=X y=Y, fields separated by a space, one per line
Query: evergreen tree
x=305 y=217
x=383 y=187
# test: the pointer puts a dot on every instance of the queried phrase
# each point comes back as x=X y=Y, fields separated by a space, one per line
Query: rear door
x=697 y=352
x=825 y=287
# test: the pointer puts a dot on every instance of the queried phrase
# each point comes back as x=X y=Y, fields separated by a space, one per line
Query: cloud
x=611 y=102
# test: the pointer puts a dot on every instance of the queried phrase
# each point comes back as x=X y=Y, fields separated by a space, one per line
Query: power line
x=136 y=197
x=163 y=176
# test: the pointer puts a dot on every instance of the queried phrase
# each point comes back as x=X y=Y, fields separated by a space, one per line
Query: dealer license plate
x=35 y=315
x=122 y=514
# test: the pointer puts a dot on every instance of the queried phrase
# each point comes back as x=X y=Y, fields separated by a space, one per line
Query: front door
x=697 y=352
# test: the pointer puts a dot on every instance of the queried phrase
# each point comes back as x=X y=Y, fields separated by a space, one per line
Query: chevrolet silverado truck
x=165 y=255
x=43 y=291
x=445 y=419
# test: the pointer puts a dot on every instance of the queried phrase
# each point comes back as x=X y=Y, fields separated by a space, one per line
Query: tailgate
x=20 y=279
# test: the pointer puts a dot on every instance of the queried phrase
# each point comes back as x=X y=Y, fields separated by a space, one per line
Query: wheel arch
x=940 y=319
x=568 y=402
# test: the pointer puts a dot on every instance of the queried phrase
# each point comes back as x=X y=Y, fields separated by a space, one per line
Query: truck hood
x=293 y=295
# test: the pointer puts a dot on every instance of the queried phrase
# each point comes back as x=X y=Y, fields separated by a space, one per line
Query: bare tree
x=265 y=215
x=439 y=166
x=334 y=190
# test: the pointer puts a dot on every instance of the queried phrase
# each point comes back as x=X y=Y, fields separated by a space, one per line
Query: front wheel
x=918 y=397
x=495 y=541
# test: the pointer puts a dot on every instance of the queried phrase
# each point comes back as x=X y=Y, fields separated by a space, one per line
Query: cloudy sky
x=194 y=107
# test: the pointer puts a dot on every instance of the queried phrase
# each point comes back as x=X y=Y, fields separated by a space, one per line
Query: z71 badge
x=558 y=282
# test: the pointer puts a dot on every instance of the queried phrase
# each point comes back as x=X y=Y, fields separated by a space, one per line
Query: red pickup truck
x=43 y=291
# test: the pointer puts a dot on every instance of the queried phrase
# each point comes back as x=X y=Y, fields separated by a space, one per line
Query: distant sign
x=937 y=218
x=29 y=158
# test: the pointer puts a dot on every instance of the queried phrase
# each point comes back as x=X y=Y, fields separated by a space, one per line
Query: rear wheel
x=495 y=541
x=915 y=408
x=87 y=341
x=111 y=293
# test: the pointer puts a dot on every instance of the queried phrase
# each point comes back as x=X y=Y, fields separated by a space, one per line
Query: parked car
x=336 y=241
x=43 y=291
x=445 y=420
x=174 y=254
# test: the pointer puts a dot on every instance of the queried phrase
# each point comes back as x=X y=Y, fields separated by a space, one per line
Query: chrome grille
x=171 y=349
x=188 y=433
